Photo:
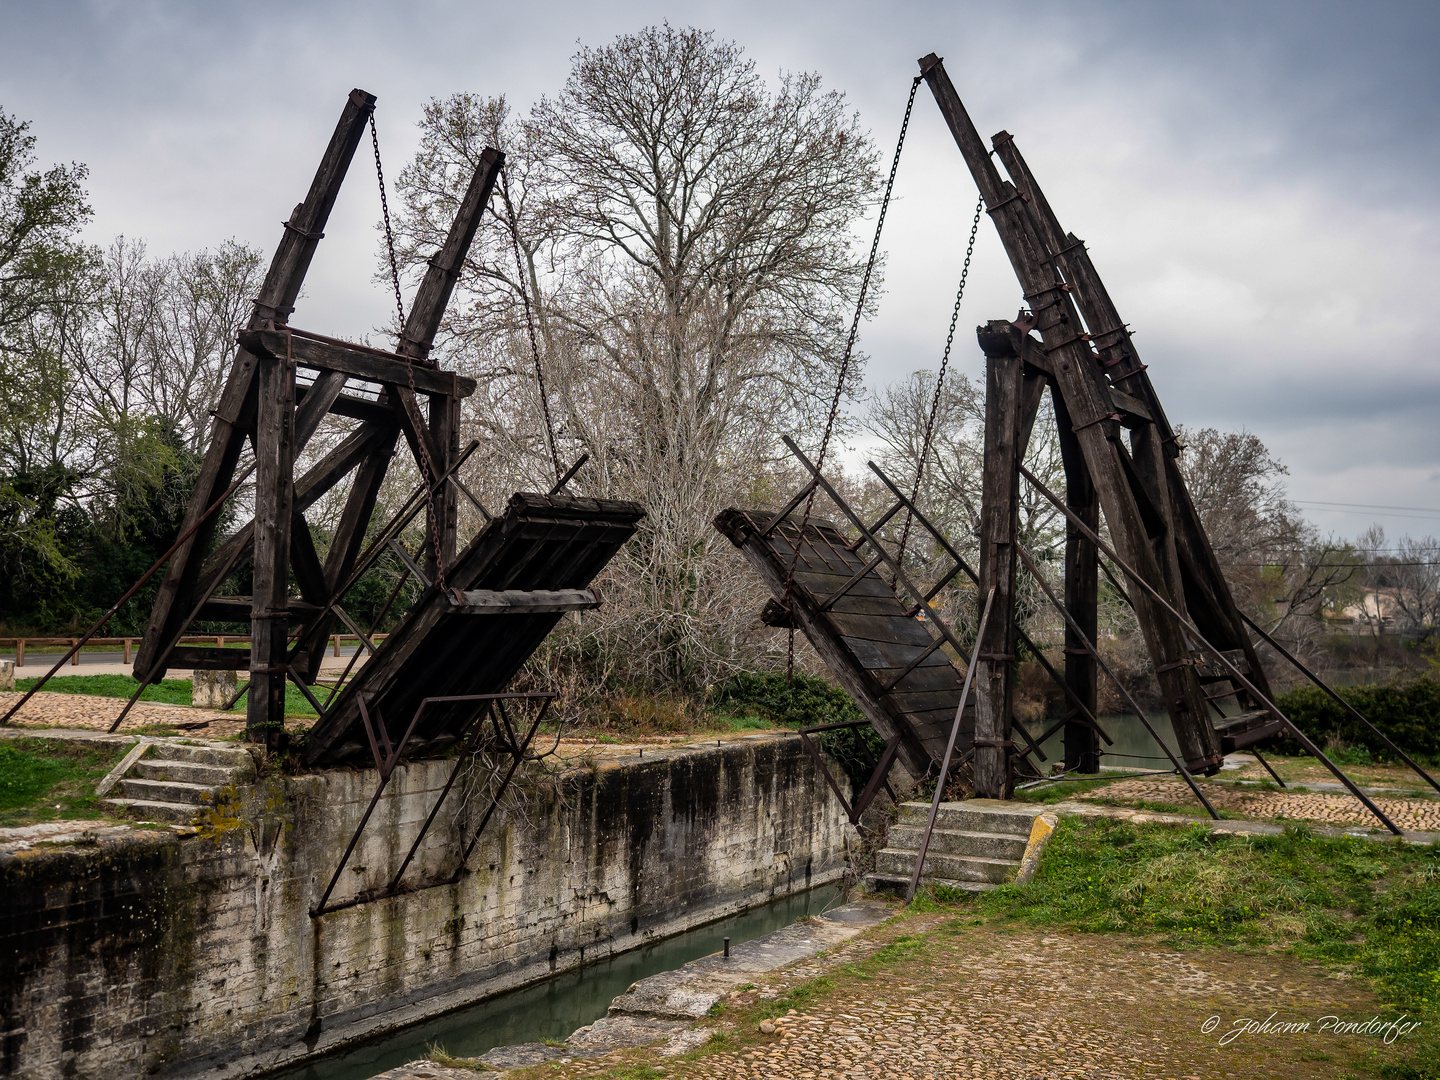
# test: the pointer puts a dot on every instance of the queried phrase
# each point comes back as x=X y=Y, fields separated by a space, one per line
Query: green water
x=558 y=1006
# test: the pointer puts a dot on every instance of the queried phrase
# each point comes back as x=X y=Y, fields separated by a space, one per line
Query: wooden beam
x=1000 y=486
x=1093 y=412
x=433 y=296
x=1082 y=600
x=369 y=364
x=274 y=513
x=277 y=297
x=526 y=602
x=321 y=477
x=208 y=659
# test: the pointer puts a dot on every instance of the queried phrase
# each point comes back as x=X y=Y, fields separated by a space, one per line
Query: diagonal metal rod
x=130 y=592
x=1268 y=769
x=1035 y=650
x=874 y=541
x=1124 y=691
x=949 y=751
x=1354 y=713
x=500 y=791
x=569 y=475
x=1190 y=628
x=164 y=656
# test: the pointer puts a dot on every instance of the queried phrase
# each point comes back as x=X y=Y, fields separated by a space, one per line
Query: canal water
x=1134 y=747
x=558 y=1006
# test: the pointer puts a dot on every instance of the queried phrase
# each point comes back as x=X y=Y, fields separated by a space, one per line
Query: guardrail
x=128 y=643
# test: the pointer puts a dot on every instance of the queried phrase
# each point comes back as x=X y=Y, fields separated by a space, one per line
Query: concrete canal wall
x=145 y=953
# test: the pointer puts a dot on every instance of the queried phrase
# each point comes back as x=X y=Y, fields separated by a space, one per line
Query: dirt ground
x=989 y=1001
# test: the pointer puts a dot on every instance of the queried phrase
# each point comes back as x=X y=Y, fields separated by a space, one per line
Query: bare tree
x=685 y=239
x=204 y=300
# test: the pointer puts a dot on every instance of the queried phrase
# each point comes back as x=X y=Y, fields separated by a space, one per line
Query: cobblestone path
x=986 y=1002
x=1334 y=807
x=48 y=709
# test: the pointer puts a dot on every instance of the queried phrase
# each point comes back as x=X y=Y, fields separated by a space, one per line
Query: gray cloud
x=1254 y=180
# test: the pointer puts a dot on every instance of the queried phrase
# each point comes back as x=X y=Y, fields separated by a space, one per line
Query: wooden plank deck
x=540 y=542
x=866 y=638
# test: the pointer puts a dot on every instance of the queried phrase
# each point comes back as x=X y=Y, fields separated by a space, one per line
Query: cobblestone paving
x=1336 y=807
x=987 y=1003
x=48 y=709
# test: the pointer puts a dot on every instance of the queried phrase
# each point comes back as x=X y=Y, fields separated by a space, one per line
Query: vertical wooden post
x=1082 y=596
x=445 y=435
x=274 y=500
x=1000 y=493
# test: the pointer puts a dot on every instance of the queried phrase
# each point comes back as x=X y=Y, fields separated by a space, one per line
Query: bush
x=1409 y=713
x=809 y=702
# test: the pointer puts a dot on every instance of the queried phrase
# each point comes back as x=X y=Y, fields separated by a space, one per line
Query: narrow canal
x=555 y=1008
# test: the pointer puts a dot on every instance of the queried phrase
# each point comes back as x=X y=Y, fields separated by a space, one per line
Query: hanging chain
x=530 y=325
x=427 y=467
x=939 y=384
x=389 y=236
x=840 y=379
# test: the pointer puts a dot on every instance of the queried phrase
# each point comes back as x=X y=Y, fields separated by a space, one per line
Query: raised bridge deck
x=518 y=577
x=867 y=636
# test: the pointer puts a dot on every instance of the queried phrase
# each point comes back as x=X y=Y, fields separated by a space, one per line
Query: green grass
x=166 y=692
x=46 y=780
x=1356 y=905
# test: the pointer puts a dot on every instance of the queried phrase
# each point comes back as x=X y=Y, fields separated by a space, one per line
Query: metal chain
x=840 y=378
x=389 y=233
x=530 y=325
x=427 y=467
x=939 y=384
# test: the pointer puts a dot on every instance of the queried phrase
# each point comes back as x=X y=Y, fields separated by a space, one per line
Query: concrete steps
x=173 y=783
x=974 y=846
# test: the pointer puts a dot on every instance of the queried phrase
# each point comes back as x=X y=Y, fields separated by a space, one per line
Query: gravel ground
x=989 y=1002
x=1336 y=807
x=47 y=710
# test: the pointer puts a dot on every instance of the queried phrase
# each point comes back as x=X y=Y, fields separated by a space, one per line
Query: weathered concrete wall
x=156 y=955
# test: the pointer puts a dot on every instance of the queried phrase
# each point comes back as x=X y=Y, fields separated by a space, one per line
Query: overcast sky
x=1256 y=181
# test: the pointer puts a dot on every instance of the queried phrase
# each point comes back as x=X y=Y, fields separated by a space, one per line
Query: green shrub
x=1409 y=713
x=809 y=702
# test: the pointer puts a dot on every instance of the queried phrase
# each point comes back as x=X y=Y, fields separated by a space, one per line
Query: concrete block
x=7 y=674
x=213 y=689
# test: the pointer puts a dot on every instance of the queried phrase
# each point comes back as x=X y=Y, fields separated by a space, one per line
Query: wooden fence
x=128 y=643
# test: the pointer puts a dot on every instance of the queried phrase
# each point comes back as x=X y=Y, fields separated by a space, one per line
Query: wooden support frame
x=1065 y=354
x=263 y=405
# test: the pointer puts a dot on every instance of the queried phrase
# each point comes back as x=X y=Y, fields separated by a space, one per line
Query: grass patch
x=165 y=692
x=45 y=780
x=1356 y=905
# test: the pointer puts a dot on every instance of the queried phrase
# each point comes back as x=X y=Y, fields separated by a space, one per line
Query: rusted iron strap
x=1117 y=379
x=1005 y=202
x=1062 y=252
x=1098 y=420
x=1183 y=662
x=1067 y=341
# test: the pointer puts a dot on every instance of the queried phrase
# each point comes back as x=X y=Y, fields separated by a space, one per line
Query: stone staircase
x=976 y=845
x=174 y=782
